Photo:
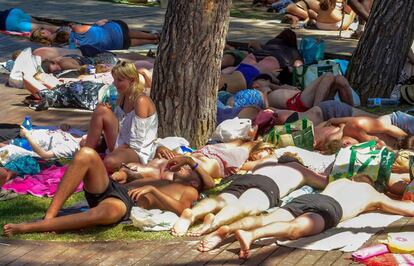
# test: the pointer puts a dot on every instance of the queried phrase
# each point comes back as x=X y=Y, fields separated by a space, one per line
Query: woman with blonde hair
x=129 y=130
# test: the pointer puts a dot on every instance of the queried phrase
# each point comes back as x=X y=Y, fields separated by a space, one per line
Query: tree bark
x=187 y=68
x=382 y=51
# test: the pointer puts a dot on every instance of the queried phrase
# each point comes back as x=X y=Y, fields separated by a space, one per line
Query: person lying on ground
x=321 y=89
x=248 y=195
x=322 y=112
x=129 y=130
x=104 y=34
x=15 y=19
x=295 y=12
x=49 y=144
x=334 y=15
x=109 y=201
x=215 y=160
x=401 y=120
x=243 y=75
x=311 y=214
x=345 y=131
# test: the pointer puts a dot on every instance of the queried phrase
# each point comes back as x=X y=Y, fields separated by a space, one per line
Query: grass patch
x=27 y=208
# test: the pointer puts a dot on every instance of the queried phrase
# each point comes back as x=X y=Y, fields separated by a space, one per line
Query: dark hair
x=333 y=146
x=289 y=37
x=326 y=4
x=46 y=65
x=406 y=143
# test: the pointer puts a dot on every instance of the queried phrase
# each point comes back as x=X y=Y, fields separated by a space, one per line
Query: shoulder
x=144 y=106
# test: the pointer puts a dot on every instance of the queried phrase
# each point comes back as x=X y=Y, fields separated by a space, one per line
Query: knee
x=101 y=110
x=86 y=155
x=104 y=216
x=329 y=77
x=341 y=81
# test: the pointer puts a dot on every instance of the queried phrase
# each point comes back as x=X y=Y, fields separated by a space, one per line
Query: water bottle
x=90 y=69
x=374 y=102
x=27 y=123
x=113 y=95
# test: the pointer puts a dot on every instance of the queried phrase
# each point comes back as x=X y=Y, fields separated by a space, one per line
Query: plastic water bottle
x=27 y=123
x=113 y=95
x=374 y=102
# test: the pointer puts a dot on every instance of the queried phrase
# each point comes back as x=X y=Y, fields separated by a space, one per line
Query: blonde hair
x=127 y=70
x=61 y=37
x=263 y=146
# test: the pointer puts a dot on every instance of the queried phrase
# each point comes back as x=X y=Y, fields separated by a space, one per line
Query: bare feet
x=213 y=239
x=180 y=228
x=11 y=229
x=205 y=227
x=245 y=239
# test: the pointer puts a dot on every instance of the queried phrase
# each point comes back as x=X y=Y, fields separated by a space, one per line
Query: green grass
x=28 y=208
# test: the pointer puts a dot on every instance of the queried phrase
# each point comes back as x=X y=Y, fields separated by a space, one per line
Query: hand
x=163 y=152
x=23 y=132
x=136 y=193
x=177 y=162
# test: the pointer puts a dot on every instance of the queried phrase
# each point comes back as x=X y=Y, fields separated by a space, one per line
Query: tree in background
x=187 y=68
x=381 y=53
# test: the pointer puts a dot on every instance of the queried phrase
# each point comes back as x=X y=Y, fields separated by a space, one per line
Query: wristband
x=195 y=166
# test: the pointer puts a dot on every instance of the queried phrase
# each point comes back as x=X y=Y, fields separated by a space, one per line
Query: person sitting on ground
x=104 y=34
x=334 y=15
x=346 y=131
x=362 y=8
x=250 y=194
x=321 y=89
x=243 y=75
x=109 y=201
x=312 y=214
x=136 y=115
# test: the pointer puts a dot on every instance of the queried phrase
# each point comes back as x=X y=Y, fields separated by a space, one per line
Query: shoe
x=7 y=194
x=41 y=106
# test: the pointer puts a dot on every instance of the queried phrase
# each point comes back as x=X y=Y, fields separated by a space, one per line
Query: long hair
x=61 y=37
x=289 y=36
x=127 y=70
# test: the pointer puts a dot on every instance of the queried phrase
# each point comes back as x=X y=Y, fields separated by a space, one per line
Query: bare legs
x=103 y=121
x=86 y=166
x=141 y=38
x=318 y=90
x=344 y=90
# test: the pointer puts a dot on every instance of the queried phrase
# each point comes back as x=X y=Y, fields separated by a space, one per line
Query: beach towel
x=43 y=184
x=348 y=236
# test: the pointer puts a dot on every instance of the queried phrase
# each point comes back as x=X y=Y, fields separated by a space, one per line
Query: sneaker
x=7 y=194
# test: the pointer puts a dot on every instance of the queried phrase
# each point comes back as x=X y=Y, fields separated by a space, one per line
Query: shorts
x=249 y=72
x=248 y=97
x=19 y=21
x=328 y=26
x=324 y=205
x=403 y=121
x=331 y=109
x=125 y=34
x=295 y=103
x=114 y=190
x=241 y=183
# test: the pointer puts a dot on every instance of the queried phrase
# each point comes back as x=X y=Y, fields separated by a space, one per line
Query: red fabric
x=295 y=104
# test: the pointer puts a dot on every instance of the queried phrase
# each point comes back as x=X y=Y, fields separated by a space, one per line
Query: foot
x=180 y=228
x=245 y=239
x=205 y=227
x=213 y=239
x=11 y=229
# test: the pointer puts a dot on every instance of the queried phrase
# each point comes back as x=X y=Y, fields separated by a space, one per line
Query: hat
x=232 y=129
x=407 y=93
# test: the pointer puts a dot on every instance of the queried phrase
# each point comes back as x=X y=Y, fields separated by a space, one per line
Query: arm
x=359 y=9
x=177 y=206
x=101 y=22
x=35 y=146
x=338 y=121
x=80 y=28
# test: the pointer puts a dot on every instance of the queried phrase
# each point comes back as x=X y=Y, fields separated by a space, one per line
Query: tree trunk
x=382 y=51
x=187 y=68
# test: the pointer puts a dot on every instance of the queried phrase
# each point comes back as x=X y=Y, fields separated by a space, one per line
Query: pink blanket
x=43 y=184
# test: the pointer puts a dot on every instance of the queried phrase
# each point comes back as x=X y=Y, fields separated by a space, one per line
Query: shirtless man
x=250 y=194
x=321 y=89
x=353 y=130
x=312 y=214
x=109 y=201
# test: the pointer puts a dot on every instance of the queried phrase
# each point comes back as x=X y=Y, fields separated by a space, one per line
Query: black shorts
x=325 y=206
x=125 y=33
x=114 y=190
x=241 y=183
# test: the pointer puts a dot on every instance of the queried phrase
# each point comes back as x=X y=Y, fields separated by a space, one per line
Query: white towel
x=153 y=220
x=348 y=236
